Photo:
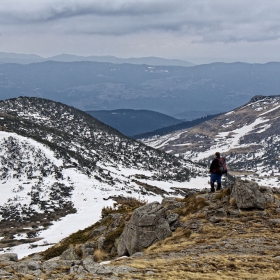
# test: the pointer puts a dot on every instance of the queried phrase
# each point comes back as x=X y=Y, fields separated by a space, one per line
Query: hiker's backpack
x=222 y=165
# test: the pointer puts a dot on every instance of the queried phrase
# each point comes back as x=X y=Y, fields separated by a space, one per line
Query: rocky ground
x=231 y=234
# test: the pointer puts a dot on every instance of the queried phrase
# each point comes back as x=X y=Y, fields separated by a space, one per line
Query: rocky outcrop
x=9 y=257
x=147 y=225
x=58 y=268
x=247 y=195
x=207 y=225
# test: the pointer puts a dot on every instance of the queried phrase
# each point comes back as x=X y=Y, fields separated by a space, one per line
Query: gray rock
x=29 y=267
x=215 y=219
x=4 y=274
x=123 y=269
x=37 y=257
x=220 y=212
x=97 y=231
x=170 y=203
x=172 y=217
x=9 y=257
x=261 y=214
x=175 y=225
x=70 y=254
x=138 y=254
x=115 y=216
x=78 y=269
x=233 y=213
x=53 y=264
x=277 y=202
x=275 y=190
x=174 y=205
x=55 y=259
x=100 y=241
x=104 y=270
x=87 y=249
x=90 y=265
x=247 y=195
x=269 y=197
x=148 y=224
x=275 y=221
x=168 y=200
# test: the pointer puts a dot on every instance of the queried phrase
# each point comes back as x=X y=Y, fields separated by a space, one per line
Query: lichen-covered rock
x=70 y=254
x=148 y=224
x=88 y=249
x=170 y=203
x=29 y=267
x=9 y=257
x=97 y=231
x=247 y=195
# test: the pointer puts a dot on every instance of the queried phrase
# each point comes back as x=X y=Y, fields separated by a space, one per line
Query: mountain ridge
x=32 y=58
x=248 y=136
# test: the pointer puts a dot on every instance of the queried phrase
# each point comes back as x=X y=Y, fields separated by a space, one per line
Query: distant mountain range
x=132 y=122
x=31 y=58
x=249 y=137
x=192 y=92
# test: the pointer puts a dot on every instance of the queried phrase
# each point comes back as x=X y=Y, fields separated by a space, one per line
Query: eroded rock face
x=148 y=224
x=247 y=195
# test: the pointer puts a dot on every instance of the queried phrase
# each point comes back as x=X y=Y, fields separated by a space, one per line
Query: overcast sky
x=199 y=31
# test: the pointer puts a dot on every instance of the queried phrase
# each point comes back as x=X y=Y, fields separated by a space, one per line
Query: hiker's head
x=217 y=154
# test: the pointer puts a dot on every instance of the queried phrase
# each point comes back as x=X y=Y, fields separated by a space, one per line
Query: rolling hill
x=60 y=166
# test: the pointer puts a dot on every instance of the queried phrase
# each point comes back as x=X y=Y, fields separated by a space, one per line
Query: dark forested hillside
x=173 y=128
x=131 y=122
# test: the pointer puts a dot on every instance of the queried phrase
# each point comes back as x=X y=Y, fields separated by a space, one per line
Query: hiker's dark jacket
x=214 y=167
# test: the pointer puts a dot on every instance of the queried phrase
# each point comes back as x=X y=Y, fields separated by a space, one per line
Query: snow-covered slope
x=59 y=166
x=248 y=136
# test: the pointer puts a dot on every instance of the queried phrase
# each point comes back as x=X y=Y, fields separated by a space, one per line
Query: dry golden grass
x=179 y=239
x=232 y=202
x=222 y=193
x=192 y=205
x=204 y=268
x=99 y=255
x=200 y=216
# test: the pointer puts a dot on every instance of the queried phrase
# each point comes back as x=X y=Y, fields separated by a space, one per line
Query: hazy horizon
x=195 y=31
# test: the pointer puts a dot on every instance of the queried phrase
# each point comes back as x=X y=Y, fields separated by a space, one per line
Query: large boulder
x=247 y=195
x=148 y=224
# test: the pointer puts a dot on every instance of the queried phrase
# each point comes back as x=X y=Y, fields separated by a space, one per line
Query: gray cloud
x=207 y=21
x=198 y=21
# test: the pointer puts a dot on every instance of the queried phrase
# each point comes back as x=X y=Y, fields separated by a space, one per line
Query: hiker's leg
x=219 y=182
x=212 y=181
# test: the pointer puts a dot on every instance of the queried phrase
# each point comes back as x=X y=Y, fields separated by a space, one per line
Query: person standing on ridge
x=216 y=169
